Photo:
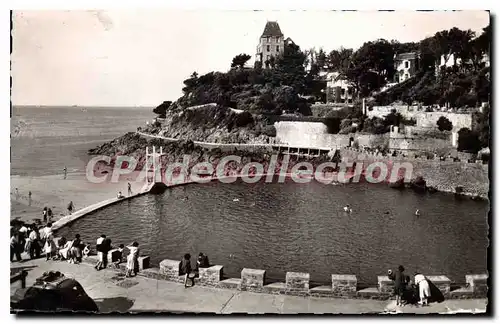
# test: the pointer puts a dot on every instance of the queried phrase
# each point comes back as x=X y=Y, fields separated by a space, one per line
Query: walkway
x=113 y=292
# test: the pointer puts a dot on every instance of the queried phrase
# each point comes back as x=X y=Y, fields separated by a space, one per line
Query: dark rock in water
x=477 y=198
x=399 y=184
x=158 y=188
x=431 y=189
x=419 y=184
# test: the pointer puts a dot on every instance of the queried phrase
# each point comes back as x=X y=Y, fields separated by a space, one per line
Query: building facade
x=338 y=90
x=271 y=44
x=406 y=66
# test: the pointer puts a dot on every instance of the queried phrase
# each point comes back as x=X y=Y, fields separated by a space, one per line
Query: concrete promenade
x=115 y=293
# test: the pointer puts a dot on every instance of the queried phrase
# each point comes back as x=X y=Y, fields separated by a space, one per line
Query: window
x=277 y=48
x=407 y=64
x=268 y=48
x=342 y=91
x=269 y=39
x=268 y=57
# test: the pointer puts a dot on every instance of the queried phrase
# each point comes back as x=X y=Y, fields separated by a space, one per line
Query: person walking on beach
x=65 y=172
x=70 y=207
x=45 y=212
x=129 y=189
x=17 y=194
x=29 y=198
x=132 y=264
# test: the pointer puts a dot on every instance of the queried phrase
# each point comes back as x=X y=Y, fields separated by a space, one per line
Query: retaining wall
x=298 y=283
x=443 y=175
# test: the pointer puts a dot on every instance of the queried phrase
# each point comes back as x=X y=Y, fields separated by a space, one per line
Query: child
x=120 y=256
x=86 y=251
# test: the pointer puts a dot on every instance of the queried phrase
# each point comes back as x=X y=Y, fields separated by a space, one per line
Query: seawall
x=445 y=176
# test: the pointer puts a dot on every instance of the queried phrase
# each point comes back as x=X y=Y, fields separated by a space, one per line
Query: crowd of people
x=36 y=240
x=420 y=291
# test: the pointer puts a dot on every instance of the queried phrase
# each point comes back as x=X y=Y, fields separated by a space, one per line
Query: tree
x=444 y=124
x=161 y=110
x=339 y=60
x=240 y=60
x=290 y=69
x=468 y=141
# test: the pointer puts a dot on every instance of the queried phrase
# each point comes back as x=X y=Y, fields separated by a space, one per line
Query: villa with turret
x=271 y=44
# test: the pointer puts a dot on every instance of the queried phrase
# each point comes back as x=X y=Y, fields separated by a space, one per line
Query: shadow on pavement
x=19 y=269
x=114 y=304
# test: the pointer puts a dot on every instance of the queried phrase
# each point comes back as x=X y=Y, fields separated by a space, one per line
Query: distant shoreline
x=79 y=106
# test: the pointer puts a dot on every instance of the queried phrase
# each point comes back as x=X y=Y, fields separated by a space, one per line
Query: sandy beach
x=56 y=192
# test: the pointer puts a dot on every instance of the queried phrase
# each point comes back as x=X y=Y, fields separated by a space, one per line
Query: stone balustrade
x=298 y=283
x=252 y=279
x=210 y=276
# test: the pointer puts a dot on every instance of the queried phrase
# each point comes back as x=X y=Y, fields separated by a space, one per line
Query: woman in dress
x=132 y=264
x=65 y=250
x=50 y=245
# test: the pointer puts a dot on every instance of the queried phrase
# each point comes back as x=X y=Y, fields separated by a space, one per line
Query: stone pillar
x=442 y=282
x=252 y=279
x=210 y=276
x=385 y=285
x=143 y=262
x=297 y=282
x=478 y=283
x=344 y=284
x=170 y=269
x=115 y=254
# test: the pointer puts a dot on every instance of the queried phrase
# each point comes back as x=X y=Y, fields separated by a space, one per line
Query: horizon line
x=77 y=106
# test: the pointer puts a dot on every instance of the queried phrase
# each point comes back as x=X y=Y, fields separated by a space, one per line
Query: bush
x=468 y=141
x=444 y=124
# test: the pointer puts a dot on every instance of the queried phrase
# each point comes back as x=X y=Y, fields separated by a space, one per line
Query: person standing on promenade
x=15 y=248
x=399 y=284
x=99 y=253
x=34 y=237
x=76 y=250
x=50 y=246
x=132 y=263
x=70 y=207
x=129 y=189
x=49 y=215
x=186 y=269
x=424 y=290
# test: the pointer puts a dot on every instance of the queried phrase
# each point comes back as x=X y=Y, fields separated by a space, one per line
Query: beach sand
x=55 y=192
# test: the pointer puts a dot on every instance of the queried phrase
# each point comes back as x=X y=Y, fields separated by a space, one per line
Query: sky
x=141 y=57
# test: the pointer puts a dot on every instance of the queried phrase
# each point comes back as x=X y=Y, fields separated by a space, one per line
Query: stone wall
x=423 y=119
x=298 y=283
x=308 y=134
x=443 y=175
